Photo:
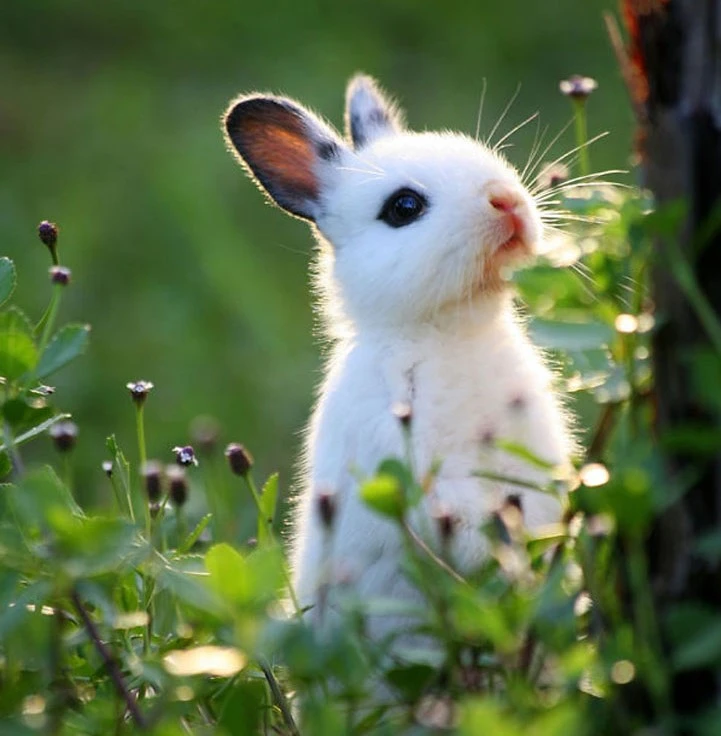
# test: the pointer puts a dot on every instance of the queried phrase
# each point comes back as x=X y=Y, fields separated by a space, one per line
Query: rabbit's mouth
x=515 y=244
x=512 y=252
x=513 y=249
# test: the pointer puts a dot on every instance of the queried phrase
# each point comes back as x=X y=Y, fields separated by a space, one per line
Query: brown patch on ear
x=272 y=138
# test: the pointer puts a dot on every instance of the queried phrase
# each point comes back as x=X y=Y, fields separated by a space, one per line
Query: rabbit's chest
x=465 y=396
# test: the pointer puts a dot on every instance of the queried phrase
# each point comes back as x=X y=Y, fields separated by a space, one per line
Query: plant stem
x=140 y=428
x=579 y=117
x=110 y=664
x=116 y=493
x=10 y=446
x=279 y=697
x=420 y=544
x=143 y=458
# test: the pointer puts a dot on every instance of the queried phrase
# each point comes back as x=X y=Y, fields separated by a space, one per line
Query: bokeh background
x=109 y=125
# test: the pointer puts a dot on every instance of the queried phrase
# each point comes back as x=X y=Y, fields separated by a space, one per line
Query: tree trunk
x=674 y=75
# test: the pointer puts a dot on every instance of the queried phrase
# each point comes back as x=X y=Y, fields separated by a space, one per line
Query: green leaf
x=18 y=354
x=22 y=624
x=67 y=344
x=193 y=537
x=39 y=429
x=695 y=633
x=122 y=469
x=5 y=465
x=523 y=453
x=190 y=587
x=692 y=439
x=250 y=581
x=40 y=496
x=92 y=546
x=384 y=494
x=268 y=501
x=487 y=715
x=26 y=413
x=412 y=680
x=14 y=545
x=412 y=492
x=573 y=336
x=242 y=707
x=474 y=617
x=8 y=279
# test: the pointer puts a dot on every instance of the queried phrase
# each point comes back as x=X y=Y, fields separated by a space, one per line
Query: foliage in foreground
x=157 y=615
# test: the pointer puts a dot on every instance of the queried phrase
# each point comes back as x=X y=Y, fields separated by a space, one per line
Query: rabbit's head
x=416 y=223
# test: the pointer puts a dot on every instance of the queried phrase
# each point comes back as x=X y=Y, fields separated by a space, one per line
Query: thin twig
x=430 y=553
x=279 y=697
x=630 y=77
x=602 y=431
x=112 y=666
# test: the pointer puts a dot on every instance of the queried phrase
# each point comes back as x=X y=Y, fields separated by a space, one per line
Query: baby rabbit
x=417 y=234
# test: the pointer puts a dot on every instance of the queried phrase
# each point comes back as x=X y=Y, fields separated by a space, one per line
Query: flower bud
x=326 y=508
x=204 y=432
x=60 y=275
x=178 y=485
x=239 y=459
x=487 y=438
x=185 y=456
x=139 y=391
x=446 y=526
x=511 y=513
x=403 y=412
x=514 y=500
x=552 y=175
x=48 y=234
x=152 y=473
x=108 y=467
x=578 y=87
x=64 y=435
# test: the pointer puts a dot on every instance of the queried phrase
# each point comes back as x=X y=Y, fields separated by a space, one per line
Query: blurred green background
x=109 y=125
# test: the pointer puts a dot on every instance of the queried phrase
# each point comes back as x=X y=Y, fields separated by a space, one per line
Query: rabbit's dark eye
x=403 y=207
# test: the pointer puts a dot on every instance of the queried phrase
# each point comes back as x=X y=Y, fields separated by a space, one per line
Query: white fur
x=420 y=314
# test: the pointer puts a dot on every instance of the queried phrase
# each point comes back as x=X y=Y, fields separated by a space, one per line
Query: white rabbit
x=417 y=232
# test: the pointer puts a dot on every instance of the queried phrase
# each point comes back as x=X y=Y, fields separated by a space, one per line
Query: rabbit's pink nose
x=503 y=199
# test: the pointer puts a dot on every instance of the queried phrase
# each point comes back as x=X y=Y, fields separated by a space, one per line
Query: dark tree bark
x=673 y=71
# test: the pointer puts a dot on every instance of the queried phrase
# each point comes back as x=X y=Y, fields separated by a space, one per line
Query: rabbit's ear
x=369 y=114
x=289 y=151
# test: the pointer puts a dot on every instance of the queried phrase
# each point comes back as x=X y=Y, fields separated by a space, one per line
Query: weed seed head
x=152 y=473
x=185 y=456
x=139 y=391
x=403 y=412
x=204 y=432
x=60 y=275
x=178 y=484
x=517 y=403
x=64 y=435
x=239 y=459
x=578 y=87
x=446 y=526
x=552 y=175
x=48 y=233
x=326 y=508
